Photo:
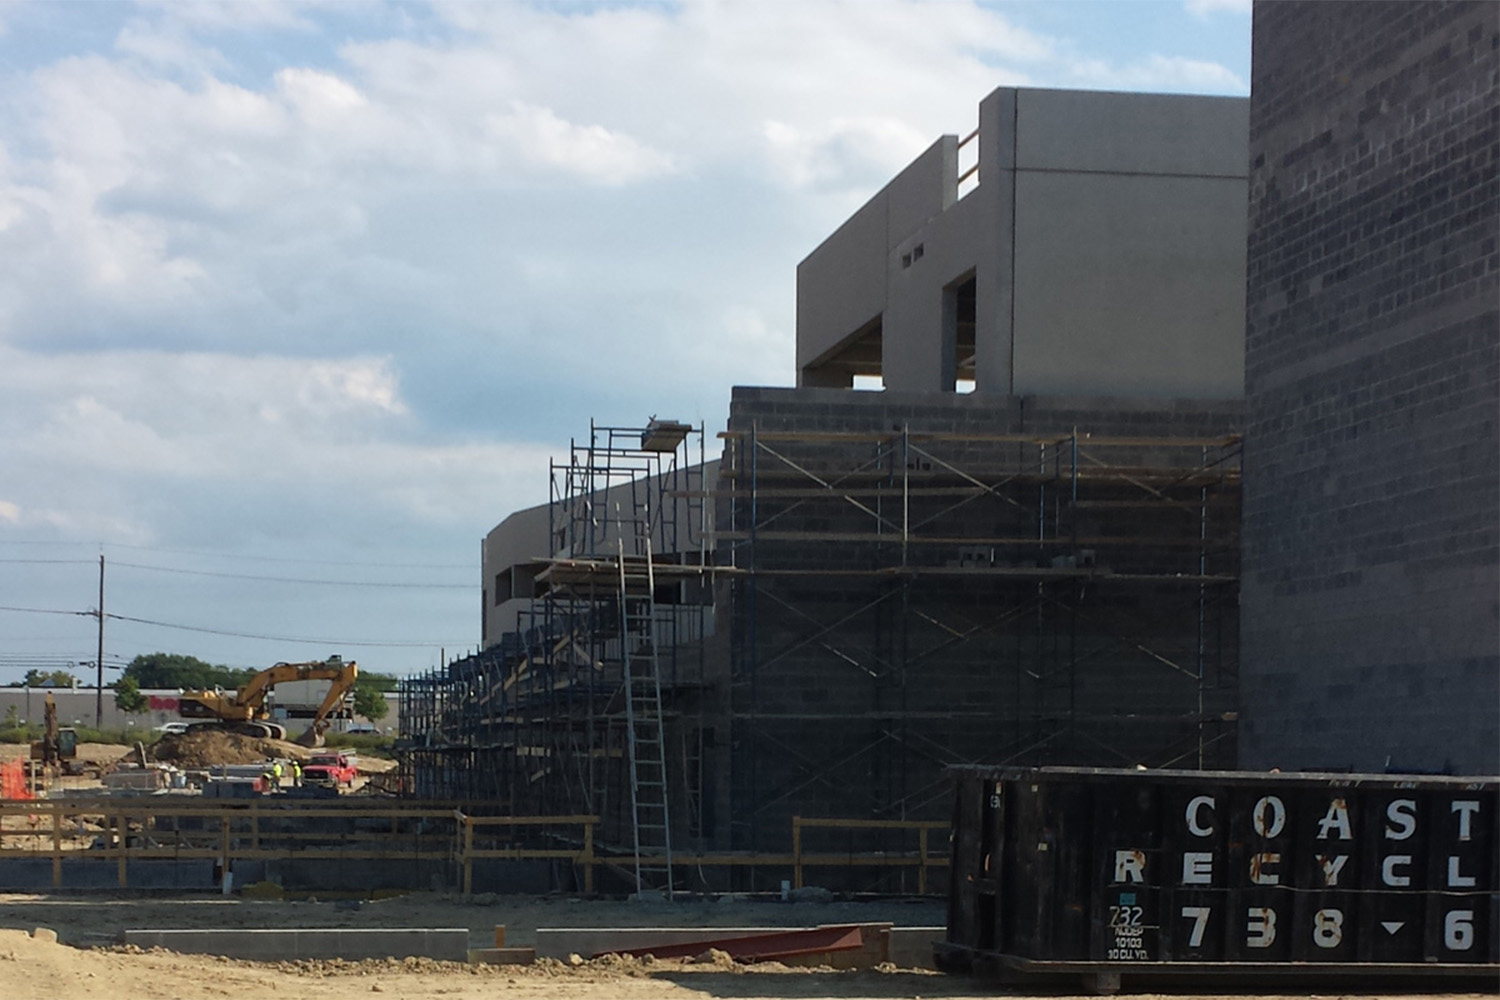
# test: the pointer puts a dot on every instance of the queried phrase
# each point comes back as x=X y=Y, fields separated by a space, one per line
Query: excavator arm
x=341 y=686
x=252 y=697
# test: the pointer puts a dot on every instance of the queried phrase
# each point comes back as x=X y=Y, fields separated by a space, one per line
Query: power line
x=286 y=579
x=391 y=644
x=50 y=611
x=235 y=556
x=283 y=638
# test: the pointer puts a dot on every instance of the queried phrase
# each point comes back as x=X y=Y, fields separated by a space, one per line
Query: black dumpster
x=1147 y=873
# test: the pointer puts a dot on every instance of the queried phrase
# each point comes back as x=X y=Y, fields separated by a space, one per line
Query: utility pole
x=99 y=663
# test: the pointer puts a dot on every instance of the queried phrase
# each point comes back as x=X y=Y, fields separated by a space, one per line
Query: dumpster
x=1128 y=873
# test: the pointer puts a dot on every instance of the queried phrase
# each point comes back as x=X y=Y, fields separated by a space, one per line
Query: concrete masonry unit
x=446 y=943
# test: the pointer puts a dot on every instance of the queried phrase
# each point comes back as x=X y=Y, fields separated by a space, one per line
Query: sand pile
x=199 y=748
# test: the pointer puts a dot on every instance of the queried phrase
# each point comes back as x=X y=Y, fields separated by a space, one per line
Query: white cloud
x=265 y=425
x=1162 y=73
x=169 y=48
x=1203 y=8
x=708 y=84
x=587 y=152
x=234 y=15
x=840 y=150
x=318 y=96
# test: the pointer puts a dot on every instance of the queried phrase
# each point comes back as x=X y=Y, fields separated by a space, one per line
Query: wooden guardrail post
x=796 y=852
x=122 y=832
x=467 y=851
x=225 y=879
x=588 y=857
x=922 y=866
x=56 y=846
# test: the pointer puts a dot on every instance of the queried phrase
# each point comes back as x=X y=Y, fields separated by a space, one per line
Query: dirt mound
x=715 y=958
x=199 y=748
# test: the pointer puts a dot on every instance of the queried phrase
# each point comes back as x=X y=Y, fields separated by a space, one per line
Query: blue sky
x=296 y=300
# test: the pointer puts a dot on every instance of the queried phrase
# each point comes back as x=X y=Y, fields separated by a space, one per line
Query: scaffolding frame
x=576 y=711
x=1058 y=598
x=907 y=558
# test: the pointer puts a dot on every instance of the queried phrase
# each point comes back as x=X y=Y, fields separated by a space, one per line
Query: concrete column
x=994 y=277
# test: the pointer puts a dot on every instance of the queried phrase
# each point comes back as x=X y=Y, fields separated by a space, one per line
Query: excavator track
x=254 y=730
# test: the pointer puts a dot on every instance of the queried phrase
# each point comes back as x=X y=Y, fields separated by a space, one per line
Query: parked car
x=172 y=727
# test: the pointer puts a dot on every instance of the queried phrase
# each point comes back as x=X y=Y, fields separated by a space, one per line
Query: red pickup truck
x=331 y=769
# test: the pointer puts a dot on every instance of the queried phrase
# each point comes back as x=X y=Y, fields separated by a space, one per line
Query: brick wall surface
x=1372 y=456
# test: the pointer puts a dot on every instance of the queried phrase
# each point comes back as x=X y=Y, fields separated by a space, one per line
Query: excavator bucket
x=311 y=738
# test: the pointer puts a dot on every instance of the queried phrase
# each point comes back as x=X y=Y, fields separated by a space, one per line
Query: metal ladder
x=643 y=720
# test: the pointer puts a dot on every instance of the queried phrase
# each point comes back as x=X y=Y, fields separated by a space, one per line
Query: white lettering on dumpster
x=1328 y=928
x=1402 y=814
x=1332 y=864
x=1199 y=916
x=1197 y=868
x=1466 y=809
x=1260 y=927
x=1269 y=816
x=1194 y=811
x=1127 y=926
x=1130 y=866
x=1337 y=818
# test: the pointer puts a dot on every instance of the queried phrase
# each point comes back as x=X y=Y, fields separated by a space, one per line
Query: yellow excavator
x=244 y=711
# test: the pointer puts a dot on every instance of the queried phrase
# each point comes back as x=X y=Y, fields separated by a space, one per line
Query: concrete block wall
x=850 y=690
x=1371 y=589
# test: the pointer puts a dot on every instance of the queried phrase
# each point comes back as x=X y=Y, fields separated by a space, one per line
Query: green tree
x=128 y=697
x=49 y=678
x=172 y=670
x=12 y=717
x=384 y=683
x=369 y=701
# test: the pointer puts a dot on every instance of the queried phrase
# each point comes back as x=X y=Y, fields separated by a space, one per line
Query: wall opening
x=959 y=313
x=851 y=364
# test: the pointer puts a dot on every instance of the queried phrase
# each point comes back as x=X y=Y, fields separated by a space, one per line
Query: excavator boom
x=245 y=709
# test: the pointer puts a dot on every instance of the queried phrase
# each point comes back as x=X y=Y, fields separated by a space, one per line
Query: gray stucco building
x=1101 y=252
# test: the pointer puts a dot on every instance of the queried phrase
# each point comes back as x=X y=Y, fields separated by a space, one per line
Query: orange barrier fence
x=13 y=783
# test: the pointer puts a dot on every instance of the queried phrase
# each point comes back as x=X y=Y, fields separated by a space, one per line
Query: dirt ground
x=98 y=753
x=83 y=960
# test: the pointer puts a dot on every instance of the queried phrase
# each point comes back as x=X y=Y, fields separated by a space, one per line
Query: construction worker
x=296 y=774
x=276 y=772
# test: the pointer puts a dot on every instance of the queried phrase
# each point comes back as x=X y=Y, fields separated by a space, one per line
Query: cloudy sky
x=296 y=300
